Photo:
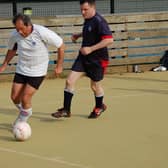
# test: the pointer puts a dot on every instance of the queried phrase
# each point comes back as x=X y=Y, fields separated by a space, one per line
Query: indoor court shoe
x=61 y=113
x=97 y=111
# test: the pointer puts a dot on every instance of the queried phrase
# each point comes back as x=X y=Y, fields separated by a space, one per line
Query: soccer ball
x=22 y=131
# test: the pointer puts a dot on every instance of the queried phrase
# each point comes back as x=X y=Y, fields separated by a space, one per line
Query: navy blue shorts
x=35 y=82
x=94 y=69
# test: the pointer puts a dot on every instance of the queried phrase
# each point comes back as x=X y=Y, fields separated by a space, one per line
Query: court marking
x=43 y=158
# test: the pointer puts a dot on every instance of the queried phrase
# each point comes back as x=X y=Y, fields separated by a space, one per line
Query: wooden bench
x=139 y=39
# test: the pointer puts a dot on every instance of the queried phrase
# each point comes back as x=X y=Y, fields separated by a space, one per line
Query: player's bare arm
x=60 y=60
x=10 y=54
x=103 y=43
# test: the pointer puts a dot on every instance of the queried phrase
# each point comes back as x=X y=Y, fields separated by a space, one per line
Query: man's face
x=87 y=10
x=22 y=29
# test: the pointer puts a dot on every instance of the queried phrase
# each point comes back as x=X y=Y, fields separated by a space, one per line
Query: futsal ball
x=22 y=131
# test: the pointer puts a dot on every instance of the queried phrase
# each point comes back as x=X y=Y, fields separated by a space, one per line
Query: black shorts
x=35 y=82
x=94 y=69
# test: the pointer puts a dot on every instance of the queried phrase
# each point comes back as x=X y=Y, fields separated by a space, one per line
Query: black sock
x=67 y=100
x=99 y=101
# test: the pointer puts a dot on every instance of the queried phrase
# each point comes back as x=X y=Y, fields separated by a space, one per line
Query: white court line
x=43 y=158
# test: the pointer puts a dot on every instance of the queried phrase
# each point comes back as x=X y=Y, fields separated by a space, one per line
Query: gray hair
x=26 y=19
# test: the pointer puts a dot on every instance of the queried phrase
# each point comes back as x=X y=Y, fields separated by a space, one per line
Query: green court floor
x=132 y=132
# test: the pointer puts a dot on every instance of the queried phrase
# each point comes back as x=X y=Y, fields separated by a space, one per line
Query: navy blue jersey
x=94 y=30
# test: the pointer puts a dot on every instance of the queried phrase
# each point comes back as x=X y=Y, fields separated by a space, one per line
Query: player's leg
x=16 y=94
x=28 y=93
x=30 y=88
x=22 y=95
x=70 y=87
x=96 y=74
x=99 y=96
x=98 y=93
x=68 y=95
x=17 y=90
x=75 y=74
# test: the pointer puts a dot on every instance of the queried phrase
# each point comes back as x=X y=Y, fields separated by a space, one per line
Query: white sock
x=25 y=114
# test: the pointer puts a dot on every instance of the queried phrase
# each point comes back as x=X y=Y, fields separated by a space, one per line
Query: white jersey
x=33 y=56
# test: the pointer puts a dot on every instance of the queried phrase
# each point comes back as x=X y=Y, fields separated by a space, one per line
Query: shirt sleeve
x=51 y=38
x=104 y=30
x=12 y=42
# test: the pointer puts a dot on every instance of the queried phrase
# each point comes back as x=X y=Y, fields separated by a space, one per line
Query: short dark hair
x=92 y=2
x=25 y=18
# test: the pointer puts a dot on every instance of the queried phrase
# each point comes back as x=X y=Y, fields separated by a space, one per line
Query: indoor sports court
x=132 y=132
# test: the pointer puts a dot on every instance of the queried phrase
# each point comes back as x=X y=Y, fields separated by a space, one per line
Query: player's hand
x=74 y=37
x=86 y=50
x=58 y=70
x=2 y=68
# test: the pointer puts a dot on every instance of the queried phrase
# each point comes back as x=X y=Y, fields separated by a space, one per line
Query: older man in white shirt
x=30 y=42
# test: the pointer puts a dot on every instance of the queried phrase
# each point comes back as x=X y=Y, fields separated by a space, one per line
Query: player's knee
x=69 y=82
x=14 y=98
x=97 y=88
x=26 y=98
x=93 y=88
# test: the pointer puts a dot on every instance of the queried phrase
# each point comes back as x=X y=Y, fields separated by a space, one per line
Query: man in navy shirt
x=92 y=59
